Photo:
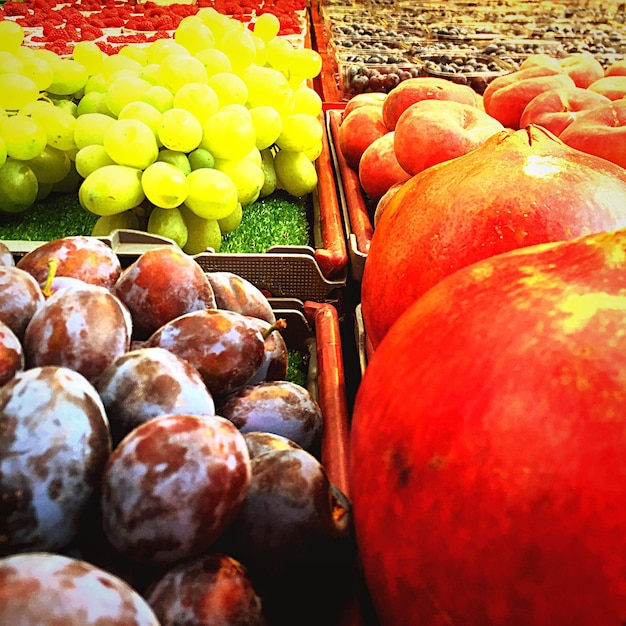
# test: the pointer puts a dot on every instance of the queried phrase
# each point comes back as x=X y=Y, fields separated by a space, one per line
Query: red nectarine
x=358 y=130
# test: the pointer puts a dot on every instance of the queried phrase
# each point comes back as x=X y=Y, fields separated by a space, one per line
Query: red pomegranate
x=488 y=445
x=518 y=189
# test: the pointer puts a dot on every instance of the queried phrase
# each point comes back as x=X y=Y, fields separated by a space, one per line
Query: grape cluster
x=175 y=137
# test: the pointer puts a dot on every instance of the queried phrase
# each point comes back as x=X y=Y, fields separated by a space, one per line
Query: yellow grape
x=94 y=102
x=176 y=70
x=115 y=62
x=90 y=128
x=306 y=100
x=296 y=173
x=39 y=71
x=267 y=124
x=58 y=124
x=228 y=135
x=23 y=137
x=300 y=132
x=246 y=174
x=89 y=55
x=237 y=44
x=203 y=233
x=267 y=86
x=143 y=112
x=229 y=223
x=131 y=142
x=51 y=165
x=90 y=158
x=198 y=98
x=279 y=52
x=266 y=26
x=161 y=98
x=9 y=62
x=111 y=189
x=194 y=34
x=176 y=158
x=18 y=187
x=168 y=223
x=11 y=35
x=212 y=194
x=230 y=88
x=136 y=52
x=3 y=152
x=164 y=185
x=214 y=61
x=179 y=129
x=69 y=76
x=16 y=91
x=106 y=224
x=124 y=90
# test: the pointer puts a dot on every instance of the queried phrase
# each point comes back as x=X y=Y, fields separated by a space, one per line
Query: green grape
x=228 y=135
x=295 y=172
x=279 y=51
x=197 y=98
x=305 y=62
x=124 y=90
x=89 y=55
x=260 y=57
x=90 y=128
x=168 y=223
x=143 y=112
x=51 y=165
x=229 y=87
x=300 y=132
x=9 y=63
x=269 y=173
x=194 y=34
x=94 y=102
x=43 y=191
x=179 y=129
x=200 y=157
x=168 y=48
x=111 y=78
x=216 y=21
x=106 y=224
x=23 y=136
x=177 y=70
x=267 y=87
x=313 y=152
x=138 y=53
x=212 y=194
x=11 y=35
x=70 y=182
x=237 y=44
x=58 y=124
x=111 y=189
x=306 y=100
x=97 y=82
x=68 y=77
x=176 y=158
x=246 y=174
x=3 y=152
x=16 y=90
x=47 y=55
x=150 y=73
x=266 y=26
x=255 y=156
x=90 y=158
x=203 y=233
x=267 y=124
x=164 y=185
x=229 y=223
x=161 y=98
x=18 y=187
x=214 y=61
x=68 y=105
x=115 y=62
x=131 y=142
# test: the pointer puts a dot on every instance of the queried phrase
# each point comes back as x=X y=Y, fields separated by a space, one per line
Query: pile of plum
x=155 y=464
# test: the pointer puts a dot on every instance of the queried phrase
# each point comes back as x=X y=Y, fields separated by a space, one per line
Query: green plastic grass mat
x=277 y=220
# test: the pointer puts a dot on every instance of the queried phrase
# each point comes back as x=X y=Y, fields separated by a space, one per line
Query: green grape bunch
x=178 y=136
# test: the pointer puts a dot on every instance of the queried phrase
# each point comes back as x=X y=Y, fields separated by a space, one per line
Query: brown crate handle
x=355 y=203
x=331 y=392
x=333 y=257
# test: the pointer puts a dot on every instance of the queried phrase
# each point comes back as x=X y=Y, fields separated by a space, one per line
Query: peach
x=430 y=132
x=540 y=59
x=379 y=168
x=613 y=87
x=583 y=69
x=374 y=97
x=414 y=90
x=600 y=131
x=506 y=97
x=617 y=68
x=556 y=109
x=358 y=130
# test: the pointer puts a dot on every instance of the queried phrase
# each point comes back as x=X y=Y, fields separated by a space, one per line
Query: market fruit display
x=146 y=475
x=518 y=189
x=487 y=449
x=97 y=124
